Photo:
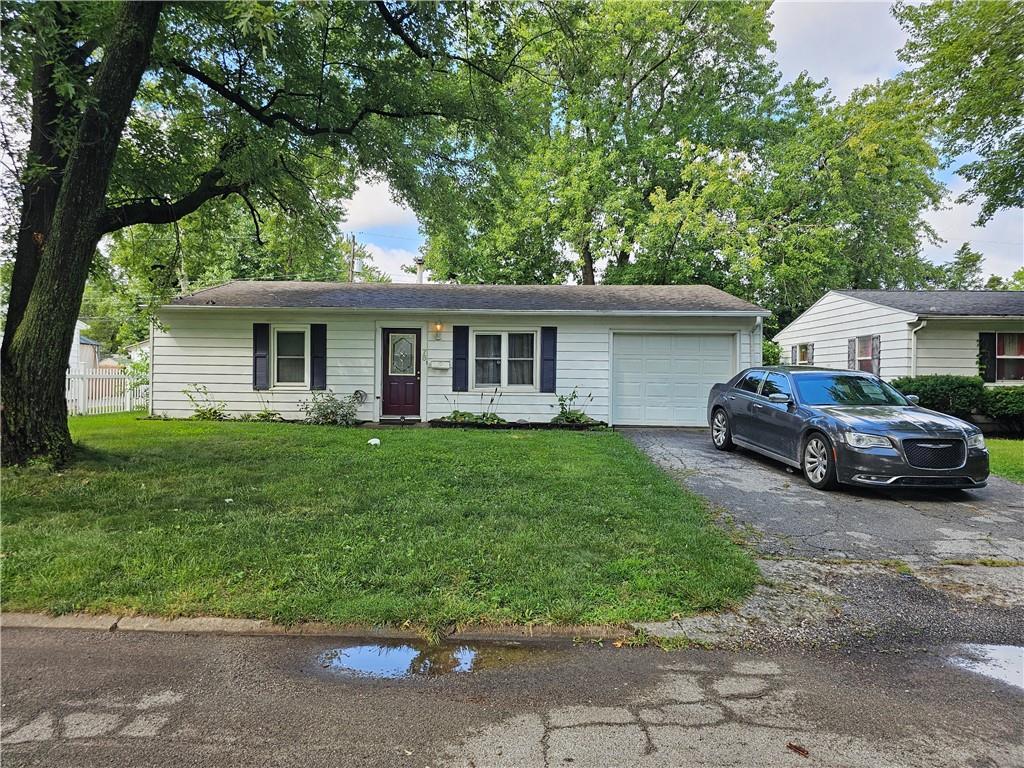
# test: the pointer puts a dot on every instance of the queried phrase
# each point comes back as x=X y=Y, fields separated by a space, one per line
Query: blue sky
x=850 y=44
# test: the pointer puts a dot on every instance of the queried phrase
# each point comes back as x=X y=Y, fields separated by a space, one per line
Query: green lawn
x=294 y=522
x=1007 y=458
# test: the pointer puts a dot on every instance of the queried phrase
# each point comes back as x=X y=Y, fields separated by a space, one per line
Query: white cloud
x=391 y=261
x=373 y=205
x=1001 y=240
x=850 y=43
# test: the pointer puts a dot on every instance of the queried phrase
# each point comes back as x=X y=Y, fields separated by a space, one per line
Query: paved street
x=794 y=520
x=88 y=698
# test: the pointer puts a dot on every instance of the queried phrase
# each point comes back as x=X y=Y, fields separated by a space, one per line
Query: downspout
x=913 y=346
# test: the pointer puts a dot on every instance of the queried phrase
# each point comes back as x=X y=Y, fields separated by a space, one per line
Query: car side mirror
x=913 y=399
x=780 y=398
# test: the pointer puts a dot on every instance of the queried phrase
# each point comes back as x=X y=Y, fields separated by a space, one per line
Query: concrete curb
x=215 y=625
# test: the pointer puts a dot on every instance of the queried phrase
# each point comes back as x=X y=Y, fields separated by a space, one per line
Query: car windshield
x=844 y=389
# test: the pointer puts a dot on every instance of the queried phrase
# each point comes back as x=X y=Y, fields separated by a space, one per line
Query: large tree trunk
x=40 y=189
x=588 y=262
x=34 y=408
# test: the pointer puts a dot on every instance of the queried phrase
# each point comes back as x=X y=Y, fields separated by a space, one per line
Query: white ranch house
x=648 y=354
x=912 y=333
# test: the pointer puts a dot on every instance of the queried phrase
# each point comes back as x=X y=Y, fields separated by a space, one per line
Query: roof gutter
x=759 y=313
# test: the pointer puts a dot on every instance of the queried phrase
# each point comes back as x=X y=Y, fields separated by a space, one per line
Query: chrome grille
x=935 y=453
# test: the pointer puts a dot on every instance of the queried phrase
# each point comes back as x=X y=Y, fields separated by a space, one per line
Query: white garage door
x=662 y=379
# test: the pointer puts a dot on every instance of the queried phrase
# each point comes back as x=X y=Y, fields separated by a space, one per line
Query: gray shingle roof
x=951 y=303
x=595 y=299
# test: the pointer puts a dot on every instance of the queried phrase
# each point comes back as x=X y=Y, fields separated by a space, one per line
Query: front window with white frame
x=1010 y=357
x=803 y=354
x=290 y=356
x=865 y=354
x=505 y=359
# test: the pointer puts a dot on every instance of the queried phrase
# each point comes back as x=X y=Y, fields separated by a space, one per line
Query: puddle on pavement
x=392 y=661
x=1002 y=662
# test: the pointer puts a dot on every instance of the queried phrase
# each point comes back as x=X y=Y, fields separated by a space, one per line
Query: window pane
x=1010 y=344
x=520 y=372
x=488 y=345
x=801 y=355
x=866 y=366
x=520 y=345
x=291 y=370
x=291 y=343
x=1008 y=369
x=864 y=347
x=488 y=373
x=775 y=384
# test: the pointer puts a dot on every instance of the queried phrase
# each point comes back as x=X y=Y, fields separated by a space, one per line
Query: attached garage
x=663 y=379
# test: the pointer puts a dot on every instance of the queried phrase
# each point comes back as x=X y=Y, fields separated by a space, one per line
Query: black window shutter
x=261 y=355
x=460 y=358
x=810 y=354
x=851 y=354
x=987 y=356
x=548 y=357
x=794 y=352
x=318 y=356
x=876 y=355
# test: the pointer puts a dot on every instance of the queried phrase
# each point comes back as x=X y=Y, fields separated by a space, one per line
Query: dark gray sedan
x=845 y=427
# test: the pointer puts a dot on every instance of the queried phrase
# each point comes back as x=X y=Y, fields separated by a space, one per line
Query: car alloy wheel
x=719 y=428
x=818 y=467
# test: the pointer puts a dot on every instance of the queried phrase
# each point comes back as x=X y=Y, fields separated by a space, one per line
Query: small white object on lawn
x=373 y=441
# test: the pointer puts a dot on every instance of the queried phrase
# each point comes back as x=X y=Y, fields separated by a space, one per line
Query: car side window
x=776 y=384
x=750 y=382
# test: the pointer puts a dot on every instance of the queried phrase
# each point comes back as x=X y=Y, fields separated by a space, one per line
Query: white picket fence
x=100 y=391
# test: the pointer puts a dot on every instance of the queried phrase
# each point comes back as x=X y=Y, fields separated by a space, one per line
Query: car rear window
x=750 y=382
x=843 y=389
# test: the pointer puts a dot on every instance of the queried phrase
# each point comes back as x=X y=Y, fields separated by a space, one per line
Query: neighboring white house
x=648 y=354
x=912 y=333
x=138 y=351
x=85 y=353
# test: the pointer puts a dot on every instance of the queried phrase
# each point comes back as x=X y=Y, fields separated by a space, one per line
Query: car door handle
x=732 y=397
x=758 y=405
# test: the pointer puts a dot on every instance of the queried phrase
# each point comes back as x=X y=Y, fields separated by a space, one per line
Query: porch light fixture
x=438 y=327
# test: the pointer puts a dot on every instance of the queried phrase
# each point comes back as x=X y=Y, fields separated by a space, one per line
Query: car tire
x=721 y=431
x=819 y=463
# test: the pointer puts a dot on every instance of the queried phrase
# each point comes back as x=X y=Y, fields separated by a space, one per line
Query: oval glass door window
x=403 y=355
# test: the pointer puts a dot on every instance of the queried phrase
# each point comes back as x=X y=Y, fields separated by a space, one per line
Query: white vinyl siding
x=951 y=346
x=213 y=347
x=834 y=319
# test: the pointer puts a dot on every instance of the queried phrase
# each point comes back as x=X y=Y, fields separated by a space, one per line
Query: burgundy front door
x=401 y=377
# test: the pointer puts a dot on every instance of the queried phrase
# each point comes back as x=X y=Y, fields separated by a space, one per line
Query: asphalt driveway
x=791 y=519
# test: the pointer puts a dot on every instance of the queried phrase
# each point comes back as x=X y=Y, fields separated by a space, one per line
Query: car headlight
x=864 y=440
x=976 y=441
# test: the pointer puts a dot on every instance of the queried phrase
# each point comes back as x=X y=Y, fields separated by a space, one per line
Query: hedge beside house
x=958 y=396
x=967 y=397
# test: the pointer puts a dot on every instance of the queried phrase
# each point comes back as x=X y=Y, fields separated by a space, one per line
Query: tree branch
x=162 y=211
x=395 y=25
x=271 y=119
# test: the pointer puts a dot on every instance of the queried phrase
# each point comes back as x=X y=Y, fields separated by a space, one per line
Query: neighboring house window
x=865 y=354
x=504 y=359
x=804 y=354
x=291 y=351
x=1009 y=356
